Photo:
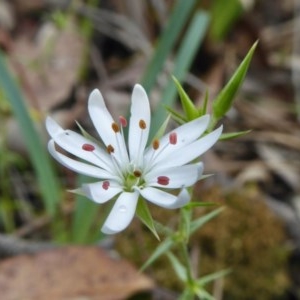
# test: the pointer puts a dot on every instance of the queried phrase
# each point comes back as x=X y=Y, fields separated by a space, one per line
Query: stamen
x=110 y=149
x=173 y=138
x=88 y=147
x=137 y=173
x=155 y=144
x=115 y=127
x=105 y=185
x=123 y=121
x=142 y=124
x=163 y=180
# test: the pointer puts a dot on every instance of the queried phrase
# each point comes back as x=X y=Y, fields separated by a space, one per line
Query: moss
x=246 y=237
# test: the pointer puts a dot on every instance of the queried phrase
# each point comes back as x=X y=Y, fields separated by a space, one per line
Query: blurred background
x=53 y=53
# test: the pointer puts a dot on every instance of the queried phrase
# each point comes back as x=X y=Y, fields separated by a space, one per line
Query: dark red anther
x=105 y=185
x=163 y=180
x=88 y=147
x=123 y=121
x=173 y=138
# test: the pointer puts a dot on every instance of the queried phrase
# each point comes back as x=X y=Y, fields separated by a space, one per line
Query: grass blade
x=46 y=177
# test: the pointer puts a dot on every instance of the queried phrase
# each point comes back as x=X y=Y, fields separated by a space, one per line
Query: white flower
x=131 y=169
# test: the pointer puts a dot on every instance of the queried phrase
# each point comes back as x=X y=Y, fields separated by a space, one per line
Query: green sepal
x=162 y=129
x=233 y=135
x=225 y=98
x=179 y=118
x=196 y=224
x=203 y=109
x=178 y=267
x=88 y=136
x=144 y=215
x=164 y=247
x=191 y=112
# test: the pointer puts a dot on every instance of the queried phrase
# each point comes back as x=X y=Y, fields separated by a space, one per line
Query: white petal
x=121 y=214
x=103 y=121
x=137 y=137
x=98 y=194
x=72 y=142
x=52 y=127
x=189 y=152
x=77 y=166
x=179 y=177
x=165 y=199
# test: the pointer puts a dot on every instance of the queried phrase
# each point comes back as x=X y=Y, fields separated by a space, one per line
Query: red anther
x=115 y=127
x=88 y=147
x=142 y=124
x=110 y=149
x=173 y=138
x=105 y=185
x=155 y=144
x=123 y=121
x=163 y=180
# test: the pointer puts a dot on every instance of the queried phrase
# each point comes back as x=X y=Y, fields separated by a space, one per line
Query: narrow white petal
x=137 y=137
x=98 y=194
x=179 y=177
x=189 y=152
x=121 y=214
x=72 y=142
x=165 y=199
x=52 y=127
x=77 y=166
x=186 y=134
x=103 y=121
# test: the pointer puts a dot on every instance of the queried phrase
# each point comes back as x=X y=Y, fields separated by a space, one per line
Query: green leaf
x=185 y=214
x=178 y=267
x=159 y=251
x=179 y=16
x=180 y=119
x=204 y=295
x=144 y=215
x=191 y=112
x=225 y=98
x=211 y=277
x=224 y=15
x=84 y=215
x=199 y=204
x=233 y=135
x=45 y=175
x=183 y=60
x=196 y=224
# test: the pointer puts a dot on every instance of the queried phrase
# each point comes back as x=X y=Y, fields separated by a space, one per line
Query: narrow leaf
x=233 y=135
x=183 y=60
x=159 y=251
x=196 y=224
x=144 y=215
x=45 y=175
x=178 y=267
x=180 y=15
x=225 y=98
x=211 y=277
x=191 y=112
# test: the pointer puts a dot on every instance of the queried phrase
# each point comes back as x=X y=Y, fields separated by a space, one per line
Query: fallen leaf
x=70 y=273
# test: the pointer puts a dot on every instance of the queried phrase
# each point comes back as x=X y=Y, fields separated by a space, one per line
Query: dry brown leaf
x=48 y=66
x=70 y=273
